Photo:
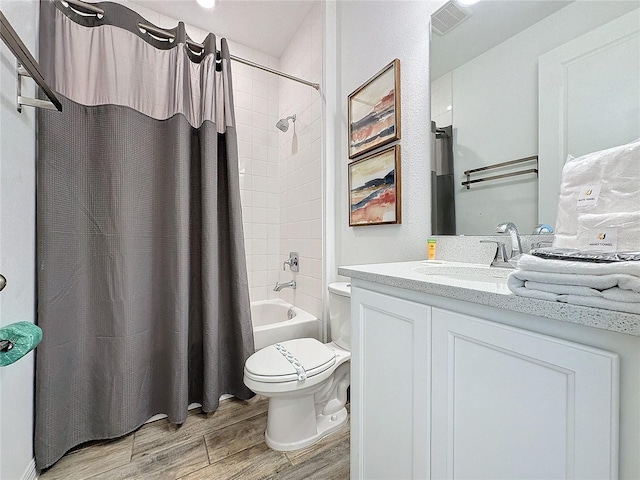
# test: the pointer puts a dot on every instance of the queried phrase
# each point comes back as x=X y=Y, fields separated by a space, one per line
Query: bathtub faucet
x=279 y=286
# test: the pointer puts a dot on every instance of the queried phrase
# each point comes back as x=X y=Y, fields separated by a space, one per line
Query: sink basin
x=463 y=274
x=472 y=277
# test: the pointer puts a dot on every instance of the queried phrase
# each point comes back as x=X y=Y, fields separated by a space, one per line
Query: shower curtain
x=142 y=282
x=443 y=202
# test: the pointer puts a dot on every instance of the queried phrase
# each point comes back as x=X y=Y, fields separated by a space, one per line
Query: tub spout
x=279 y=286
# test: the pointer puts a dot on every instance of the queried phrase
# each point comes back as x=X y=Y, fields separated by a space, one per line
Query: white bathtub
x=271 y=323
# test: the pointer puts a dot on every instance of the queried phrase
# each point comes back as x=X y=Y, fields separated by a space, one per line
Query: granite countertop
x=493 y=294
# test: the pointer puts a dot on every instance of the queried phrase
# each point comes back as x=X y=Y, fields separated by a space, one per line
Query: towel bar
x=468 y=173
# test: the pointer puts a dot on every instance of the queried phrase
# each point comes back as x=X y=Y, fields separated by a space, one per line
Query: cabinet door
x=513 y=404
x=389 y=387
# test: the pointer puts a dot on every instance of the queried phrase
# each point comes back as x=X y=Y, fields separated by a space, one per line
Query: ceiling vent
x=447 y=17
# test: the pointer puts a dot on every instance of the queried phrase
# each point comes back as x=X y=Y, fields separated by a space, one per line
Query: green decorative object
x=16 y=340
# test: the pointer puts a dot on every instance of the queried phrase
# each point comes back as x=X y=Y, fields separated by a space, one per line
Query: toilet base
x=303 y=434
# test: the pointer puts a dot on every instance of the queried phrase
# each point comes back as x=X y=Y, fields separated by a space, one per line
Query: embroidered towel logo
x=588 y=196
x=605 y=239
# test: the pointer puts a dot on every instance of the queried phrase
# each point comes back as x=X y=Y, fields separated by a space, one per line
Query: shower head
x=283 y=123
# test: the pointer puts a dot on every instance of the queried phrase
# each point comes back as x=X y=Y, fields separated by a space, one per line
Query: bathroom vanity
x=454 y=377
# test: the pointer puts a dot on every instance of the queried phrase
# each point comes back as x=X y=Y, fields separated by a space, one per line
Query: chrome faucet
x=542 y=228
x=293 y=261
x=510 y=229
x=279 y=286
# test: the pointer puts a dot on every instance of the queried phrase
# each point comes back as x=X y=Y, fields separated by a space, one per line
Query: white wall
x=301 y=165
x=370 y=35
x=17 y=244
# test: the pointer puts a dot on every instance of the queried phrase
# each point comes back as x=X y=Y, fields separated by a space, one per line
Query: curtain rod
x=152 y=30
x=146 y=28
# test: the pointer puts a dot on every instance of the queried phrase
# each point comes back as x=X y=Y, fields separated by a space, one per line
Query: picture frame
x=375 y=189
x=374 y=111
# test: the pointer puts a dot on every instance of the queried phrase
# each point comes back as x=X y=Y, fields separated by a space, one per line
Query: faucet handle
x=541 y=244
x=292 y=261
x=501 y=251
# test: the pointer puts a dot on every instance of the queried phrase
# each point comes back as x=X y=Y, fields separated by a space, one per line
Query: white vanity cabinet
x=389 y=387
x=441 y=394
x=508 y=403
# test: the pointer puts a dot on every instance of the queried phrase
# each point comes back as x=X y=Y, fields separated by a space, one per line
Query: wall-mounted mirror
x=516 y=79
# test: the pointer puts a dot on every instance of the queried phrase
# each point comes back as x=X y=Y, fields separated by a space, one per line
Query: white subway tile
x=261 y=89
x=243 y=84
x=260 y=264
x=260 y=104
x=273 y=216
x=259 y=246
x=245 y=198
x=260 y=168
x=260 y=137
x=244 y=132
x=242 y=100
x=244 y=117
x=245 y=150
x=259 y=198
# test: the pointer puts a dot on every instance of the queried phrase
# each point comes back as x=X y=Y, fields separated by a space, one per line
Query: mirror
x=493 y=83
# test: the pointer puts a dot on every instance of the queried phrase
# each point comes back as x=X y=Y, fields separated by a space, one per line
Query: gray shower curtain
x=142 y=282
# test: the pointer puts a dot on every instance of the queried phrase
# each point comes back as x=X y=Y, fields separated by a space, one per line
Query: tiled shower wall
x=255 y=95
x=301 y=164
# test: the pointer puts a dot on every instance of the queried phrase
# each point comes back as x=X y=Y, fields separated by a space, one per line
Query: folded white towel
x=612 y=286
x=614 y=293
x=630 y=283
x=522 y=287
x=625 y=224
x=613 y=172
x=537 y=264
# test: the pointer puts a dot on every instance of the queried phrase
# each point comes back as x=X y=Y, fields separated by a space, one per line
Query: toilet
x=305 y=380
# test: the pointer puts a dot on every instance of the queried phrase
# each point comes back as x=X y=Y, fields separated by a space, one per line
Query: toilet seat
x=281 y=364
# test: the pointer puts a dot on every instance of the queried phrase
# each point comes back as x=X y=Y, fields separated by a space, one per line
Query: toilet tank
x=340 y=314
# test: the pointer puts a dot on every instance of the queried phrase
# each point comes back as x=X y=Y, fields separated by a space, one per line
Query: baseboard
x=31 y=473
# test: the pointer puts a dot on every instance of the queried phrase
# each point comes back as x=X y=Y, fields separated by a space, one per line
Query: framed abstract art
x=374 y=189
x=374 y=111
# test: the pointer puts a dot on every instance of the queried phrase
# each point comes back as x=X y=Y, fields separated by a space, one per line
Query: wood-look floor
x=226 y=444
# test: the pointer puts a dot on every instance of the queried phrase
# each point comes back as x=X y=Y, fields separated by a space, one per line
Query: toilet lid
x=341 y=288
x=289 y=361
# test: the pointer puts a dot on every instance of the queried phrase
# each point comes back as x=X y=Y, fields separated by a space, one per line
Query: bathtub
x=271 y=323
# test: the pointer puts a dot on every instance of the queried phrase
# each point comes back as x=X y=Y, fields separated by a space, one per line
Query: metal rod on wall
x=468 y=173
x=26 y=60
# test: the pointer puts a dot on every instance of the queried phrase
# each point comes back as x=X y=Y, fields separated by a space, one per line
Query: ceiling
x=265 y=25
x=490 y=23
